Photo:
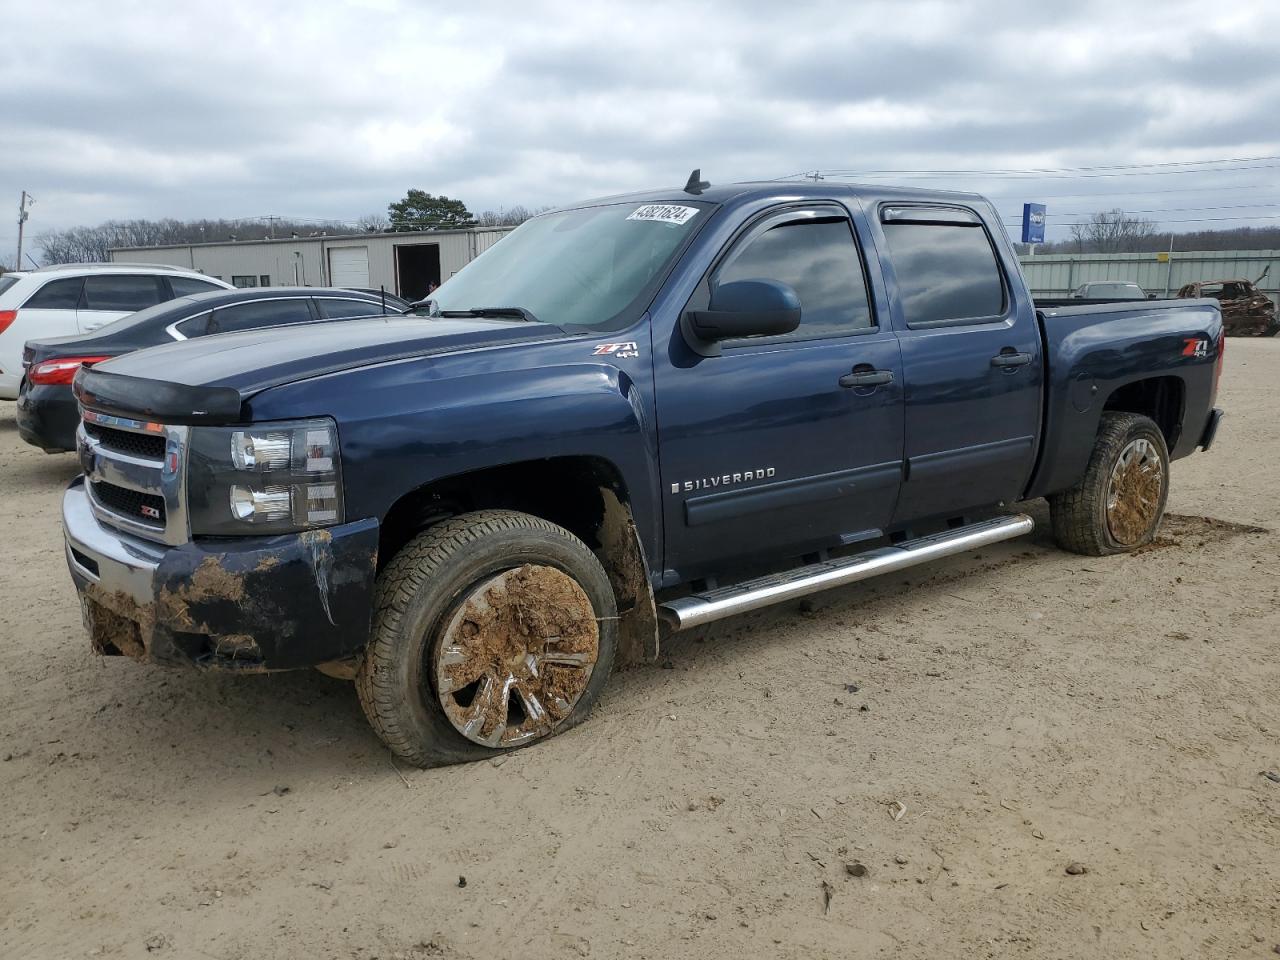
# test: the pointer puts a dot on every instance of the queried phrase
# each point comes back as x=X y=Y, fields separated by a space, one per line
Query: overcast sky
x=332 y=110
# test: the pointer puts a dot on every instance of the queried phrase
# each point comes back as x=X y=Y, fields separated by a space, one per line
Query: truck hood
x=208 y=378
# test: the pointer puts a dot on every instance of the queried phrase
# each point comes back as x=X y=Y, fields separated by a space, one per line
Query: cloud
x=238 y=108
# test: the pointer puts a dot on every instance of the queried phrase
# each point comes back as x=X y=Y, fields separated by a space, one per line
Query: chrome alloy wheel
x=516 y=656
x=1134 y=491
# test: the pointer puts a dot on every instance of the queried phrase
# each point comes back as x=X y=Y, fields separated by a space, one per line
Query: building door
x=417 y=269
x=349 y=267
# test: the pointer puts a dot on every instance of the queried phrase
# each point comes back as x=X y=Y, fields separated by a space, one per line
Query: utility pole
x=25 y=202
x=815 y=176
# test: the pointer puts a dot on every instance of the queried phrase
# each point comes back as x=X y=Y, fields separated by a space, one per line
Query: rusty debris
x=1246 y=311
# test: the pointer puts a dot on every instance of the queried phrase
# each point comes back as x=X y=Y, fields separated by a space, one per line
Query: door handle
x=865 y=376
x=1008 y=357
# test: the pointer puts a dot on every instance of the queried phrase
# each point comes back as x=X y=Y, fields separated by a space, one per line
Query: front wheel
x=1117 y=506
x=492 y=630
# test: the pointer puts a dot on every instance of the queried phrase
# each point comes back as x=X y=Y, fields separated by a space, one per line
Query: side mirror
x=747 y=308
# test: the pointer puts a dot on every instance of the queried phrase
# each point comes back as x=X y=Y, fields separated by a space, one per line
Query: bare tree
x=373 y=223
x=1112 y=231
x=90 y=244
x=507 y=216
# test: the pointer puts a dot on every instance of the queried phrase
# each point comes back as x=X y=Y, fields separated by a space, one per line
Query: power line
x=1029 y=176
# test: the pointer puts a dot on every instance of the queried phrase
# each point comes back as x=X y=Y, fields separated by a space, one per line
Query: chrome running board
x=700 y=608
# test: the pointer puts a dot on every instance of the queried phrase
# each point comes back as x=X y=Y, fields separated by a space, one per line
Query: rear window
x=260 y=313
x=7 y=282
x=332 y=308
x=1128 y=291
x=61 y=294
x=122 y=292
x=183 y=286
x=946 y=272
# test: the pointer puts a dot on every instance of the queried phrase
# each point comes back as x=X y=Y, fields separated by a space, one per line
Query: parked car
x=46 y=414
x=1246 y=310
x=76 y=298
x=1110 y=290
x=624 y=411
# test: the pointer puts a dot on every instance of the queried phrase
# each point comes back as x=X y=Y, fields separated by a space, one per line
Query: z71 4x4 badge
x=623 y=351
x=1195 y=347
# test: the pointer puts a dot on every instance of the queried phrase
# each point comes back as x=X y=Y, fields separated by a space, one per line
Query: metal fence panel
x=1058 y=274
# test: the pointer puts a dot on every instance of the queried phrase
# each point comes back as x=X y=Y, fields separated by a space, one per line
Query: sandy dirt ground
x=1028 y=708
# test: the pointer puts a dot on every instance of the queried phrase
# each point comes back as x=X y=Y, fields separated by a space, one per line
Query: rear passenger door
x=971 y=358
x=110 y=296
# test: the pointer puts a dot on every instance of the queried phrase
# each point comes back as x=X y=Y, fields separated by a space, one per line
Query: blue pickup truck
x=630 y=417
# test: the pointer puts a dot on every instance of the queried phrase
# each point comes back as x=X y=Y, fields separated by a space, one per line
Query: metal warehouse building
x=403 y=263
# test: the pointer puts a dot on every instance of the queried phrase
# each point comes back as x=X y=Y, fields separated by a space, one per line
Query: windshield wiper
x=520 y=312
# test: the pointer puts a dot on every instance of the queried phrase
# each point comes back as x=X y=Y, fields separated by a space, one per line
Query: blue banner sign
x=1033 y=223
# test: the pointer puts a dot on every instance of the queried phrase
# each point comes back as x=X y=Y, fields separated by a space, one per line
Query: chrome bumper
x=116 y=562
x=252 y=603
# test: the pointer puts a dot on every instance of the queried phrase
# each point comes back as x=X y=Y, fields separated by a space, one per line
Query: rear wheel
x=492 y=630
x=1118 y=504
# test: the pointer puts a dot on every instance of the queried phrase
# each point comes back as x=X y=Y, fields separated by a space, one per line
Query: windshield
x=589 y=267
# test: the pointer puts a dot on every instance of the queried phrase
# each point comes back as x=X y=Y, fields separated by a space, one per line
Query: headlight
x=264 y=478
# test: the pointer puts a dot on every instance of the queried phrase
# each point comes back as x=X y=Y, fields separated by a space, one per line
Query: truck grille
x=148 y=446
x=133 y=486
x=145 y=508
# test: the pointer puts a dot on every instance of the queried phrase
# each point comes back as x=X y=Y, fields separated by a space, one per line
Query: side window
x=260 y=313
x=945 y=271
x=185 y=286
x=57 y=295
x=194 y=326
x=816 y=258
x=334 y=309
x=121 y=292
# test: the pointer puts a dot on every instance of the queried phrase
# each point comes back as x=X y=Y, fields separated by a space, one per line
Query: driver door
x=768 y=448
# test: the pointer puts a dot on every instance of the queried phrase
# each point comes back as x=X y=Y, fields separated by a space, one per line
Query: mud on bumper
x=250 y=604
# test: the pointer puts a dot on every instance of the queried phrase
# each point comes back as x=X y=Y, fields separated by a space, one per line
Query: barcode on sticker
x=664 y=213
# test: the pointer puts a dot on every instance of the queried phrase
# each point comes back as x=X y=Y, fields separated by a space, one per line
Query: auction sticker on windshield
x=664 y=213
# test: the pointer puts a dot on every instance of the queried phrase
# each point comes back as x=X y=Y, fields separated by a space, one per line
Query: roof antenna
x=696 y=184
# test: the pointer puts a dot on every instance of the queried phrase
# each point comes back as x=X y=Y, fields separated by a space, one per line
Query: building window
x=264 y=280
x=243 y=282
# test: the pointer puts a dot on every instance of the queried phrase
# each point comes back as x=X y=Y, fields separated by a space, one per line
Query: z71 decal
x=623 y=351
x=1195 y=347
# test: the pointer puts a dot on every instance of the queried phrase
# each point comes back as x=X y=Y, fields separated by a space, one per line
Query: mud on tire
x=1117 y=506
x=491 y=630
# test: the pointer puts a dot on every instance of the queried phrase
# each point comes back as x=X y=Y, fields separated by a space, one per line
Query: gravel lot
x=1030 y=709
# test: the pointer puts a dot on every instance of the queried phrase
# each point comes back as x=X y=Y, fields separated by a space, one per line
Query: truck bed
x=1094 y=352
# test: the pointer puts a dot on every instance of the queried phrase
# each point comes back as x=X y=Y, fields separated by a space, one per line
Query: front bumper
x=245 y=604
x=47 y=417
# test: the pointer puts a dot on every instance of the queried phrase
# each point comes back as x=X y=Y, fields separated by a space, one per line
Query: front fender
x=404 y=425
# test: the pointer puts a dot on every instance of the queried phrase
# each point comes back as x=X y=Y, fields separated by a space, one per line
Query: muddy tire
x=491 y=630
x=1117 y=506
